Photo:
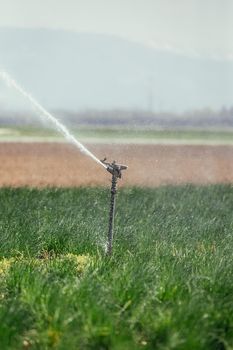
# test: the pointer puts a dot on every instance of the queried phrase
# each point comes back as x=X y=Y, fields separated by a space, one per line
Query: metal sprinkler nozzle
x=114 y=169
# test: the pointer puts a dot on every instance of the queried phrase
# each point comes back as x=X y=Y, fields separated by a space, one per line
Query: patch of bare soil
x=62 y=165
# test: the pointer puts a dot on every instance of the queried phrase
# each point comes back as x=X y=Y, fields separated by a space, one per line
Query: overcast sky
x=196 y=27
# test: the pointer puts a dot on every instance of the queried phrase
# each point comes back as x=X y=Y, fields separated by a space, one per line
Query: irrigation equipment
x=114 y=169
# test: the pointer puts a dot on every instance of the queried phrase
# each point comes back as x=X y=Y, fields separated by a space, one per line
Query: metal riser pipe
x=114 y=169
x=112 y=214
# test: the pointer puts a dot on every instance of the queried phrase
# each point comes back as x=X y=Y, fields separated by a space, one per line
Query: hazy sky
x=197 y=27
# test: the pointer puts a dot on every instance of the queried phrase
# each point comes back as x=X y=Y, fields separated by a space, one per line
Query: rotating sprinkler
x=114 y=169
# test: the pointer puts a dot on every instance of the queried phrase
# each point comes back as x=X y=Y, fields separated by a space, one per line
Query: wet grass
x=168 y=284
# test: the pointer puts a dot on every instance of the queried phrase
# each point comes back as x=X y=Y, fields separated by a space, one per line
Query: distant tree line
x=205 y=118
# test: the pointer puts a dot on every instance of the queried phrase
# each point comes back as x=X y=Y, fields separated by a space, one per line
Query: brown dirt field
x=58 y=164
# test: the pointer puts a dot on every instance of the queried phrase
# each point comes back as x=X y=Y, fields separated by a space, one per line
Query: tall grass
x=168 y=284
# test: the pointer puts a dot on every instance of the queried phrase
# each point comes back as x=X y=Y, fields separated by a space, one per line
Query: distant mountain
x=73 y=71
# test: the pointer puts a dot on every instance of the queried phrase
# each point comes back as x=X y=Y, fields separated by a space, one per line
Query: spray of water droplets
x=42 y=111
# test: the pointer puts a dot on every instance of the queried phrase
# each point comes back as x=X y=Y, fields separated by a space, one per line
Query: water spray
x=43 y=112
x=114 y=169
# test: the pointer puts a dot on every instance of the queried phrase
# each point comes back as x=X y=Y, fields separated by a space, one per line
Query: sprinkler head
x=114 y=168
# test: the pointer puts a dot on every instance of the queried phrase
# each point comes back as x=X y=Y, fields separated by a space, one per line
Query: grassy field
x=122 y=135
x=168 y=284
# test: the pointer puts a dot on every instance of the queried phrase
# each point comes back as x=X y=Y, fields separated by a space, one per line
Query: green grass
x=124 y=134
x=153 y=134
x=168 y=284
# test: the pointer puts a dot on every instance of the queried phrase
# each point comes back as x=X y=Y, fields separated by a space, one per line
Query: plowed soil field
x=60 y=164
